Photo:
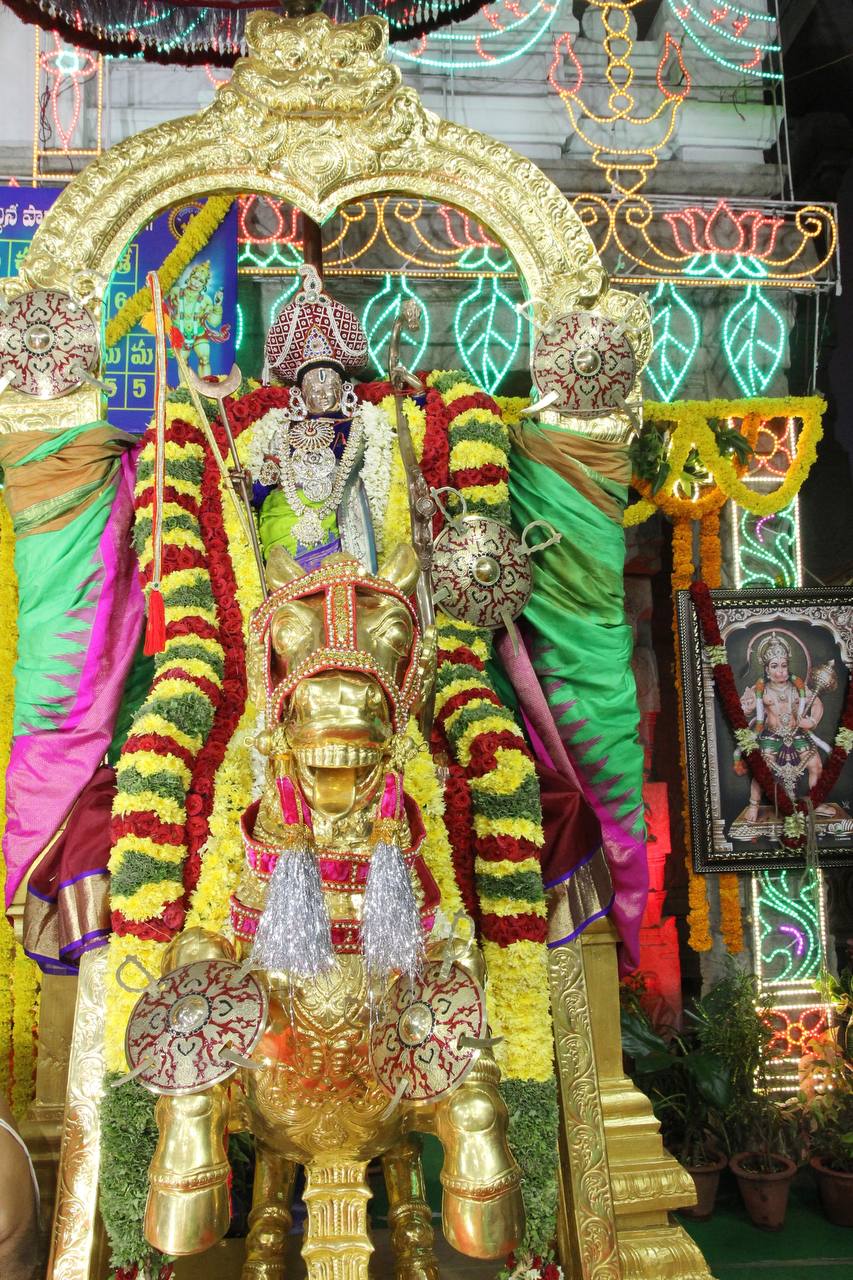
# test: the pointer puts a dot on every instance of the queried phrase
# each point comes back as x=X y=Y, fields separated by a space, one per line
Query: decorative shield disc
x=198 y=1010
x=480 y=572
x=46 y=341
x=587 y=360
x=416 y=1038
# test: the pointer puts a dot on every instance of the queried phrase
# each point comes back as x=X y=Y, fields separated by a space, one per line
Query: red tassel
x=155 y=630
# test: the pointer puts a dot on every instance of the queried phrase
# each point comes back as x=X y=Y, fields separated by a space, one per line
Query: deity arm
x=748 y=700
x=813 y=715
x=212 y=310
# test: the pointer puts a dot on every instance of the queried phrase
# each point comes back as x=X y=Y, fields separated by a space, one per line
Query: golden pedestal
x=618 y=1185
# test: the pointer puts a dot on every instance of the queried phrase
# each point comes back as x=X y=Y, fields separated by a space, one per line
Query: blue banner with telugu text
x=203 y=301
x=21 y=212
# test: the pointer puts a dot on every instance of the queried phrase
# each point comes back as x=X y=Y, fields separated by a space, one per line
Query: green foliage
x=533 y=1125
x=688 y=1087
x=650 y=449
x=129 y=1136
x=827 y=1077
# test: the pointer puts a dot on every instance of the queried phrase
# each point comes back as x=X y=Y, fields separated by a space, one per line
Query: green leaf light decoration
x=488 y=332
x=769 y=548
x=378 y=318
x=677 y=333
x=277 y=304
x=754 y=334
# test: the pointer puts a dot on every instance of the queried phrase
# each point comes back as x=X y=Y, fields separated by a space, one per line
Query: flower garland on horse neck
x=461 y=440
x=795 y=810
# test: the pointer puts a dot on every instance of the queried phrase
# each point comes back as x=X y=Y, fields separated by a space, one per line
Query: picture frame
x=806 y=636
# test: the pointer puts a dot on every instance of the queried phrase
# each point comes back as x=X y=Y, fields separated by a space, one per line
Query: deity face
x=321 y=389
x=776 y=670
x=198 y=277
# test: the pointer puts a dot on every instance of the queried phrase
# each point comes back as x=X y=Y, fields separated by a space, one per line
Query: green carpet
x=807 y=1246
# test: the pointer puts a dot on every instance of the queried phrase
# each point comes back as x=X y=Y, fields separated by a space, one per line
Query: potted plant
x=687 y=1087
x=758 y=1134
x=826 y=1077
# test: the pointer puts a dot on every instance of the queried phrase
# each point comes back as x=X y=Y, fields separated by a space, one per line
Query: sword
x=422 y=508
x=220 y=391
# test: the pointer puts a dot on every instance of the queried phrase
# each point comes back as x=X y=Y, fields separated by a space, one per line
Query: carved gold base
x=618 y=1183
x=337 y=1245
x=77 y=1238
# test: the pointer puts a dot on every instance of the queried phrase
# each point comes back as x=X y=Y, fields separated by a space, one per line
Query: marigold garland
x=232 y=787
x=691 y=430
x=197 y=233
x=492 y=789
x=698 y=917
x=728 y=884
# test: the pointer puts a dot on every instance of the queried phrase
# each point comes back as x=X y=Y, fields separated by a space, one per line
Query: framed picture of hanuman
x=768 y=722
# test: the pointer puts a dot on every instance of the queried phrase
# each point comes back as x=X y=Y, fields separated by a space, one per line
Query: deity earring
x=296 y=406
x=349 y=400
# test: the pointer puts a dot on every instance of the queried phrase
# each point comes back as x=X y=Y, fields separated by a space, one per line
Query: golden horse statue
x=343 y=666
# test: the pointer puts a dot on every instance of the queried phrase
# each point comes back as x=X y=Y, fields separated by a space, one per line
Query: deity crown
x=314 y=329
x=774 y=647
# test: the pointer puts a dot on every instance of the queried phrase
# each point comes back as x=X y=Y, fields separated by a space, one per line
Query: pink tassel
x=287 y=796
x=391 y=806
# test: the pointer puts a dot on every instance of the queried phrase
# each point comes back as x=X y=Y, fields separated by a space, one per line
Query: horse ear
x=281 y=568
x=402 y=568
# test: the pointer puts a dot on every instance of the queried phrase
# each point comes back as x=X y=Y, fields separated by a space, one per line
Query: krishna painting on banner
x=791 y=655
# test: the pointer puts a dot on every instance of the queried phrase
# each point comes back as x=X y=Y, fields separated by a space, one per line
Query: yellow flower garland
x=691 y=430
x=232 y=793
x=198 y=231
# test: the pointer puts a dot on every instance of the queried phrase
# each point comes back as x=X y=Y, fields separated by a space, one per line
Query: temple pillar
x=618 y=1184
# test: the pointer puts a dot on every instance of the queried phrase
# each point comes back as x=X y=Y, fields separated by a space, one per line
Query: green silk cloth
x=581 y=646
x=277 y=518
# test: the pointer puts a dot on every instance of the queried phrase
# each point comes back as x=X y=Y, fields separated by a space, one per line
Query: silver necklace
x=314 y=471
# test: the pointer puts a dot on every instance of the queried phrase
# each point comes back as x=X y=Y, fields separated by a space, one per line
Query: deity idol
x=198 y=315
x=784 y=714
x=308 y=456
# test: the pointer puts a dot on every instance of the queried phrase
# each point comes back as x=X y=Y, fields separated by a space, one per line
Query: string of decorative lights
x=782 y=245
x=701 y=16
x=789 y=913
x=377 y=320
x=62 y=68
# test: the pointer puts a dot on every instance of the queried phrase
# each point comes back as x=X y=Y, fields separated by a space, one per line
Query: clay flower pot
x=765 y=1195
x=836 y=1192
x=707 y=1180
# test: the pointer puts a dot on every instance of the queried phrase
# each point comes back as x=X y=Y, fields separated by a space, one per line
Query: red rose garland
x=724 y=683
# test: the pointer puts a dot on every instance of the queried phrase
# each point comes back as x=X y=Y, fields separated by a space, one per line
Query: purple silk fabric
x=626 y=856
x=49 y=768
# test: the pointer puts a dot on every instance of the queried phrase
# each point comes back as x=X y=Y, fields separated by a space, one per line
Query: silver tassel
x=391 y=930
x=294 y=935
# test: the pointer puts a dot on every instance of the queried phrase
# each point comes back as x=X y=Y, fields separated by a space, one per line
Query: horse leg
x=409 y=1214
x=270 y=1219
